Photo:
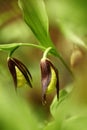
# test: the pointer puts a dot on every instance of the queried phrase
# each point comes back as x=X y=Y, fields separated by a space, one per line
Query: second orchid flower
x=49 y=77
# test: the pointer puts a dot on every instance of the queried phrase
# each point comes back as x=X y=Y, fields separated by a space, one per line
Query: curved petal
x=11 y=67
x=24 y=70
x=49 y=78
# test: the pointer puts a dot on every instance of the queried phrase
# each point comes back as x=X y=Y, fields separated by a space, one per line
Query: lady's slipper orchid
x=19 y=72
x=49 y=79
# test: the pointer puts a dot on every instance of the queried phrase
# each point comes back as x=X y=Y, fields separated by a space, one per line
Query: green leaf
x=62 y=96
x=55 y=103
x=36 y=18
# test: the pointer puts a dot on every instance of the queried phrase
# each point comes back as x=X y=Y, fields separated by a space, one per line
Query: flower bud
x=49 y=78
x=19 y=72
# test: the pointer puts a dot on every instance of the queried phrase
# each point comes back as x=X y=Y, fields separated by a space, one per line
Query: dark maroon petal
x=45 y=74
x=24 y=70
x=22 y=66
x=45 y=77
x=46 y=65
x=11 y=67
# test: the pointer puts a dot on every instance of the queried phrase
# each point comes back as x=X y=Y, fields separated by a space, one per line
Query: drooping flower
x=19 y=72
x=49 y=78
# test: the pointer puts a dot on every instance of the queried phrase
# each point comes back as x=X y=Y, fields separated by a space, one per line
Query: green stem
x=46 y=52
x=11 y=52
x=13 y=46
x=33 y=45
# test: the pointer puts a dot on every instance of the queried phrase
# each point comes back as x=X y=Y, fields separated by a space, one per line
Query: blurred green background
x=13 y=29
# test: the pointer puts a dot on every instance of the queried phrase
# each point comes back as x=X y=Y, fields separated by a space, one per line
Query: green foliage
x=75 y=123
x=36 y=17
x=16 y=114
x=67 y=115
x=71 y=17
x=55 y=103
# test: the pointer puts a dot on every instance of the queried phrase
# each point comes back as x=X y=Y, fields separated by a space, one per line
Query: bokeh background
x=13 y=29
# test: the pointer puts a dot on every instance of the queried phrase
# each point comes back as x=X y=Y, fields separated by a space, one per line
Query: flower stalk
x=11 y=46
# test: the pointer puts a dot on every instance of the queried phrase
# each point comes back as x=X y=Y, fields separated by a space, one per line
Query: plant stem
x=11 y=52
x=13 y=46
x=46 y=52
x=33 y=45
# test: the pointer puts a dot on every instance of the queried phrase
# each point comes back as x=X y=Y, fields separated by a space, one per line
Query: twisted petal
x=24 y=70
x=19 y=72
x=49 y=78
x=11 y=67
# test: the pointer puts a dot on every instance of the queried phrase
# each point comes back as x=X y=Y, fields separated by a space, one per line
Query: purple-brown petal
x=24 y=70
x=45 y=77
x=46 y=65
x=11 y=67
x=22 y=66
